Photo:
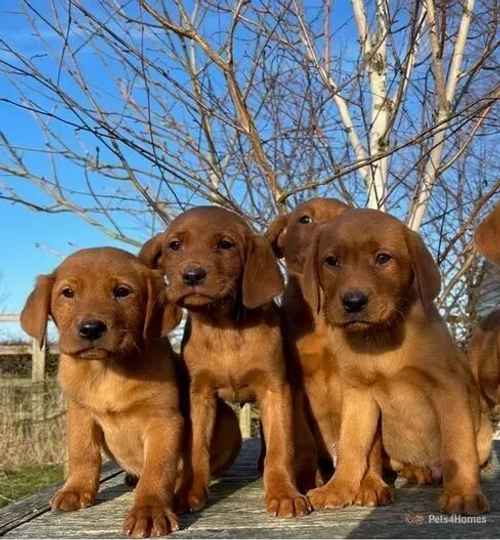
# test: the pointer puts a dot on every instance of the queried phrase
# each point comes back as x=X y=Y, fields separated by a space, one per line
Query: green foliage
x=16 y=484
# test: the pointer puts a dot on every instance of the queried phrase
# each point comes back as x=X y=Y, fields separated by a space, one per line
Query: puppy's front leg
x=282 y=497
x=152 y=513
x=84 y=441
x=306 y=455
x=373 y=490
x=203 y=404
x=462 y=491
x=326 y=405
x=359 y=422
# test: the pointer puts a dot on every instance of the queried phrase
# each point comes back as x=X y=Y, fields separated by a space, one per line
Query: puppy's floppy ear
x=161 y=316
x=36 y=311
x=262 y=279
x=151 y=251
x=155 y=299
x=311 y=285
x=425 y=270
x=487 y=237
x=276 y=233
x=489 y=369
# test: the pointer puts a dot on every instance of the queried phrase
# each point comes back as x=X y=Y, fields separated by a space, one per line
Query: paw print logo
x=414 y=518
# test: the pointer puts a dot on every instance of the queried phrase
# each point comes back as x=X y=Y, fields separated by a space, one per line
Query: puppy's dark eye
x=68 y=292
x=225 y=244
x=175 y=245
x=305 y=220
x=382 y=258
x=121 y=291
x=332 y=261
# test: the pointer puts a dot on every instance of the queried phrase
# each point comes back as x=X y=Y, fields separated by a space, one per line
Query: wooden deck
x=236 y=510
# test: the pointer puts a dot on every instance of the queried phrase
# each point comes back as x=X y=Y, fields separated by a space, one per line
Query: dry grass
x=21 y=365
x=32 y=424
x=32 y=427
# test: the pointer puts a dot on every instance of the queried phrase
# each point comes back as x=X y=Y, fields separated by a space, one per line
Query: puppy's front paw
x=332 y=495
x=68 y=499
x=374 y=492
x=463 y=503
x=191 y=500
x=287 y=503
x=150 y=520
x=197 y=499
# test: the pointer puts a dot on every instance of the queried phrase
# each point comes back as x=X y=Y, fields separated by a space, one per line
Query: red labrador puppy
x=226 y=277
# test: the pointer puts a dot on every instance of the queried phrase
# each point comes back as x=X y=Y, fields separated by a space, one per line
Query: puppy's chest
x=101 y=391
x=101 y=397
x=233 y=362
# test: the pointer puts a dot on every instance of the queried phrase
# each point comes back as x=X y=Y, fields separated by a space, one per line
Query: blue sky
x=31 y=242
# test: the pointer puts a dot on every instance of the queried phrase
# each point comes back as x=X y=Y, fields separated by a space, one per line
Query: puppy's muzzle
x=92 y=329
x=354 y=301
x=194 y=275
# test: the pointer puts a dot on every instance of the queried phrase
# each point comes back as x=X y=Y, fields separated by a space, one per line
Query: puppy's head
x=104 y=302
x=210 y=255
x=370 y=267
x=291 y=234
x=487 y=236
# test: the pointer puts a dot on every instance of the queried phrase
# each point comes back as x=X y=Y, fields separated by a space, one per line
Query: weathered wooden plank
x=240 y=514
x=236 y=510
x=25 y=510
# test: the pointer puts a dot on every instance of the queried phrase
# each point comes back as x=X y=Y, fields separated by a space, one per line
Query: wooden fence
x=38 y=353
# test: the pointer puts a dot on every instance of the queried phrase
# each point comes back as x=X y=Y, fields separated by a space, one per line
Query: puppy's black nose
x=92 y=329
x=354 y=301
x=194 y=276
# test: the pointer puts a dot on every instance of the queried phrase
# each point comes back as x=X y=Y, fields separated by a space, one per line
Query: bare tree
x=147 y=107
